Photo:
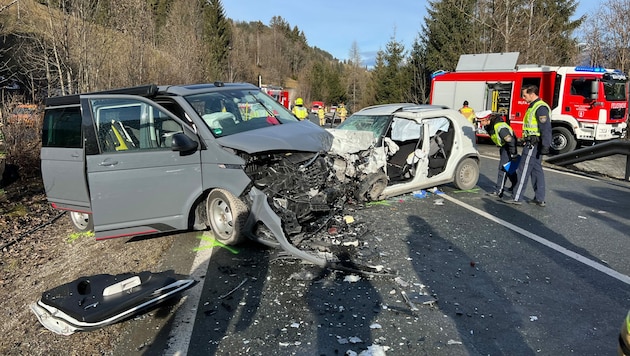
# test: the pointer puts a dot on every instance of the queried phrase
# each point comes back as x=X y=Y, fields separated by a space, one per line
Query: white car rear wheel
x=466 y=174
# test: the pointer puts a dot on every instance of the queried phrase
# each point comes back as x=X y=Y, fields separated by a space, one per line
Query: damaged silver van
x=154 y=159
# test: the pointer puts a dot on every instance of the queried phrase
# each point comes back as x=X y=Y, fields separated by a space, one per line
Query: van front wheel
x=226 y=216
x=81 y=222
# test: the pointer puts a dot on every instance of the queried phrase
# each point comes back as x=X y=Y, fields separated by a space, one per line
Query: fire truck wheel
x=562 y=140
x=466 y=174
x=226 y=216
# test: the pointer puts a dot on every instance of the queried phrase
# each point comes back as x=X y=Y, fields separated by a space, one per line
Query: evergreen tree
x=391 y=83
x=448 y=32
x=336 y=91
x=217 y=38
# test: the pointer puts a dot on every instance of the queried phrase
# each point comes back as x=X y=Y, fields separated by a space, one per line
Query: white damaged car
x=388 y=150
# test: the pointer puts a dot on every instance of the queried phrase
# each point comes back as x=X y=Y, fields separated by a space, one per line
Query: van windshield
x=233 y=111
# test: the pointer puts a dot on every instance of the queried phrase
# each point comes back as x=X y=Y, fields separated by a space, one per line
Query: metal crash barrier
x=614 y=147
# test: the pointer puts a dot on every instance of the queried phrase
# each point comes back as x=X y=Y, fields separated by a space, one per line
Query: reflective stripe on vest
x=495 y=136
x=530 y=123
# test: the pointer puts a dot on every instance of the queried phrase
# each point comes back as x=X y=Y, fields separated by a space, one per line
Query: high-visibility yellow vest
x=300 y=112
x=530 y=122
x=468 y=113
x=495 y=136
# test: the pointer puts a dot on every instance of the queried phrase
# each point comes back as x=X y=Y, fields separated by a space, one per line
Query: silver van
x=154 y=159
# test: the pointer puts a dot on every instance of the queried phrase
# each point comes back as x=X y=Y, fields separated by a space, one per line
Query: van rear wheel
x=81 y=222
x=226 y=216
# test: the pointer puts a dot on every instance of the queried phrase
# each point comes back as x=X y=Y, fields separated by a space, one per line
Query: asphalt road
x=469 y=276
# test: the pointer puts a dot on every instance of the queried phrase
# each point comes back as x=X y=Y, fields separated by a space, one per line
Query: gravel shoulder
x=38 y=252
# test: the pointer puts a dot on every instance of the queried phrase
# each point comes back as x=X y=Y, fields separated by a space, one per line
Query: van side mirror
x=183 y=143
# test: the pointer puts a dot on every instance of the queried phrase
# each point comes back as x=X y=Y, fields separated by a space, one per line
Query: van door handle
x=108 y=163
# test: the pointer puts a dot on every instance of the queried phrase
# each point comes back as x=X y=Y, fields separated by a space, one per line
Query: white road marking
x=598 y=266
x=184 y=322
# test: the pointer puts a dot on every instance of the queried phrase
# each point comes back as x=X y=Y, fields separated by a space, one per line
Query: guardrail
x=614 y=147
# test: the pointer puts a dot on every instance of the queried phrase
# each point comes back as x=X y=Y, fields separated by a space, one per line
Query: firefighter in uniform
x=503 y=136
x=468 y=112
x=537 y=141
x=299 y=110
x=342 y=111
x=321 y=114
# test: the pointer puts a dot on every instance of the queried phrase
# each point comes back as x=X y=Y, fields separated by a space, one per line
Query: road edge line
x=571 y=254
x=184 y=320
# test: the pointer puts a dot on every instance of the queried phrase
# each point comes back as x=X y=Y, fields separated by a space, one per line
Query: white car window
x=404 y=130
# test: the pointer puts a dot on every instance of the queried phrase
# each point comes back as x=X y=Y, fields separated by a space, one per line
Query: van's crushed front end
x=298 y=194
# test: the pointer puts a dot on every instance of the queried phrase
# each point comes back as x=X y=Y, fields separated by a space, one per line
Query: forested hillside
x=54 y=47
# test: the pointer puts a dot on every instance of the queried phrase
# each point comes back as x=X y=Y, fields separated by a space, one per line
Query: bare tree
x=607 y=37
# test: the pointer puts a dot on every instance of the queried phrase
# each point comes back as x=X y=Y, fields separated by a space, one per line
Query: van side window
x=62 y=128
x=129 y=125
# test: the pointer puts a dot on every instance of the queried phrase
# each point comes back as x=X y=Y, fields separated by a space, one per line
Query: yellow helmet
x=299 y=101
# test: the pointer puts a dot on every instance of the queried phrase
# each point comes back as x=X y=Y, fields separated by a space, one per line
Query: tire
x=81 y=222
x=466 y=174
x=226 y=216
x=372 y=187
x=562 y=140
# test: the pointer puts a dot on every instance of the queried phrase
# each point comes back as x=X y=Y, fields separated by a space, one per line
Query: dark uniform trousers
x=531 y=165
x=504 y=157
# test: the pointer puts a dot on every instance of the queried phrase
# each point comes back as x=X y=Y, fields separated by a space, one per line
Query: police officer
x=503 y=136
x=537 y=140
x=299 y=110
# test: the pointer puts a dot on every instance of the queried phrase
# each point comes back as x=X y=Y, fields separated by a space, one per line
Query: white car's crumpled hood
x=354 y=146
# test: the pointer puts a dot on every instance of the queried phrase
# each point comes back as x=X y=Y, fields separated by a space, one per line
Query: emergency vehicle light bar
x=590 y=69
x=438 y=72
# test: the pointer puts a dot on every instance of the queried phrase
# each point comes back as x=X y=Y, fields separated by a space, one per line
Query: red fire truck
x=588 y=104
x=281 y=95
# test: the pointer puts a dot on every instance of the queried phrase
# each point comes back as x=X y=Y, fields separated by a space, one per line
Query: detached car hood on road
x=300 y=136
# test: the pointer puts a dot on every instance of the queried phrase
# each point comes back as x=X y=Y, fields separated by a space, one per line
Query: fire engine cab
x=588 y=104
x=276 y=92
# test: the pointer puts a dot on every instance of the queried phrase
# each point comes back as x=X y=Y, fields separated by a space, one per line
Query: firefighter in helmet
x=342 y=111
x=321 y=114
x=299 y=110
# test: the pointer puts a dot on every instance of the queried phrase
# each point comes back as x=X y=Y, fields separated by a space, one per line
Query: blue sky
x=334 y=25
